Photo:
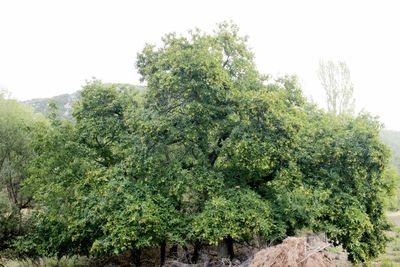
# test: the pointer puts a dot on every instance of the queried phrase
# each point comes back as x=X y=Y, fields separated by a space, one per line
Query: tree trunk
x=229 y=242
x=173 y=251
x=225 y=248
x=196 y=252
x=162 y=253
x=20 y=220
x=136 y=257
x=187 y=254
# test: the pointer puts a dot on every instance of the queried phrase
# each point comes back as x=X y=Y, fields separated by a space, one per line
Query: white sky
x=51 y=47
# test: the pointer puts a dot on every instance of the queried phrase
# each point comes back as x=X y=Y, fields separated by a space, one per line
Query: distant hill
x=392 y=139
x=65 y=102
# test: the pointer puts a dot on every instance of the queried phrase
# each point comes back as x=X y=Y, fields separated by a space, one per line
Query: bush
x=8 y=222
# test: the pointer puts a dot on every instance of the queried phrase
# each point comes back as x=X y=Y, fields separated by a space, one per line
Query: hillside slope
x=65 y=102
x=392 y=139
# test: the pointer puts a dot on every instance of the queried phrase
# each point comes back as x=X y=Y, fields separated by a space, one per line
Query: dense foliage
x=17 y=125
x=211 y=153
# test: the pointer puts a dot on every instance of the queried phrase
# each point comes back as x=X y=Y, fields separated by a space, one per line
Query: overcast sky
x=51 y=47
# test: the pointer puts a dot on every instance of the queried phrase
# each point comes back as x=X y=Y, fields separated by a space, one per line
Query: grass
x=74 y=261
x=391 y=258
x=388 y=263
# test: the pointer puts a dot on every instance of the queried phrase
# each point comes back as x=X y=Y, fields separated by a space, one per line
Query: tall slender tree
x=336 y=80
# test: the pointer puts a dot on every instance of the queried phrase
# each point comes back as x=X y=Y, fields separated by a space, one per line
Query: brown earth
x=293 y=252
x=395 y=218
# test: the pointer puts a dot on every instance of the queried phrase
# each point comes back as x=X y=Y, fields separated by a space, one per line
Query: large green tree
x=212 y=152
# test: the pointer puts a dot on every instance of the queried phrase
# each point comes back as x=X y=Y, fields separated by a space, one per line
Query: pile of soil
x=293 y=252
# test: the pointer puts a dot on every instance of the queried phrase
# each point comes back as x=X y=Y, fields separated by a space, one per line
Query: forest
x=210 y=154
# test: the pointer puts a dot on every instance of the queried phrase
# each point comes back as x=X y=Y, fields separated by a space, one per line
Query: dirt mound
x=293 y=252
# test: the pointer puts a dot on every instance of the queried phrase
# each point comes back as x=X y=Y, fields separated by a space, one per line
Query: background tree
x=336 y=80
x=17 y=127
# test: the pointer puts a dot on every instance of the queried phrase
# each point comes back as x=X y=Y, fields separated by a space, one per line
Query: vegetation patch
x=212 y=154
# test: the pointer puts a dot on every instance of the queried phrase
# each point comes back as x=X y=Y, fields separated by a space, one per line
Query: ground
x=392 y=256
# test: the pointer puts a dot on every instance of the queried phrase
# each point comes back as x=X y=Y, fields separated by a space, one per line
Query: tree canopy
x=211 y=153
x=17 y=126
